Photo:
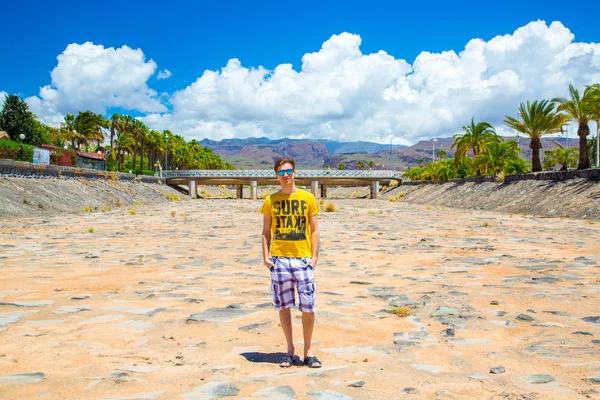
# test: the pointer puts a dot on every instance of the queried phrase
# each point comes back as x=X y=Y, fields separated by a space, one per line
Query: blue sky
x=188 y=38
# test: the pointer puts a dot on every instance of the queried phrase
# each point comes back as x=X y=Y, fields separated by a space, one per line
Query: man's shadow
x=269 y=358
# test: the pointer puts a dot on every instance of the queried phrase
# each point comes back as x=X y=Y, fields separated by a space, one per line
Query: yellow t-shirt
x=290 y=227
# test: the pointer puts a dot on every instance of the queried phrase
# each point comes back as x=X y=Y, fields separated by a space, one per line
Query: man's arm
x=314 y=239
x=266 y=241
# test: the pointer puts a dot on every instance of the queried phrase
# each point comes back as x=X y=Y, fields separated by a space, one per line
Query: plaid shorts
x=290 y=272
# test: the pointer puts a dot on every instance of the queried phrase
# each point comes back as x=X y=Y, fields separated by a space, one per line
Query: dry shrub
x=132 y=211
x=330 y=207
x=172 y=197
x=87 y=209
x=401 y=311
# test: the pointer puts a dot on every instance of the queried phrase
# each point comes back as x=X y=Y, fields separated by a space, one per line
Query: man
x=290 y=242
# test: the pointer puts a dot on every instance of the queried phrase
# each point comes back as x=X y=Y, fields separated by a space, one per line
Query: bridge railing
x=262 y=173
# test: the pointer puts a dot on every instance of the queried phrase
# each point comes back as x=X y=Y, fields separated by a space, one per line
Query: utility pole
x=391 y=154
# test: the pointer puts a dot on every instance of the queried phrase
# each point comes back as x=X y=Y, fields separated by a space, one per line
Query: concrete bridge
x=317 y=179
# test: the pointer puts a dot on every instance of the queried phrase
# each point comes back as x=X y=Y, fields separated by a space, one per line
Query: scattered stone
x=357 y=384
x=592 y=320
x=329 y=395
x=214 y=389
x=410 y=390
x=144 y=369
x=23 y=378
x=525 y=317
x=400 y=301
x=595 y=380
x=479 y=377
x=13 y=317
x=494 y=302
x=448 y=332
x=253 y=326
x=81 y=296
x=596 y=341
x=38 y=303
x=537 y=379
x=444 y=311
x=71 y=309
x=497 y=370
x=434 y=369
x=361 y=283
x=133 y=310
x=277 y=392
x=219 y=315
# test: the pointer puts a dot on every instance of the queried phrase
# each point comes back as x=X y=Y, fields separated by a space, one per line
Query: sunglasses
x=282 y=172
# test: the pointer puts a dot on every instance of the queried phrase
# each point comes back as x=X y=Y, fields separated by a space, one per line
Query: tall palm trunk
x=584 y=160
x=142 y=155
x=535 y=146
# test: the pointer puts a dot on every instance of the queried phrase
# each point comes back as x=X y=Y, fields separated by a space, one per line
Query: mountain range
x=260 y=153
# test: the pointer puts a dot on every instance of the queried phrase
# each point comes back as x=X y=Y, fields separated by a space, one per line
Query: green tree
x=441 y=154
x=341 y=166
x=581 y=109
x=371 y=164
x=563 y=156
x=536 y=120
x=360 y=165
x=495 y=156
x=475 y=138
x=16 y=119
x=89 y=128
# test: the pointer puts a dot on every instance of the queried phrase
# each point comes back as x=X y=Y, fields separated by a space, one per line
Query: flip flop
x=287 y=361
x=312 y=362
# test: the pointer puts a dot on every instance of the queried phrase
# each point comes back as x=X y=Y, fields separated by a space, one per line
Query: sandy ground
x=98 y=305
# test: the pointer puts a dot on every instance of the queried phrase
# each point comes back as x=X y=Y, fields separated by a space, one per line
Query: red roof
x=94 y=156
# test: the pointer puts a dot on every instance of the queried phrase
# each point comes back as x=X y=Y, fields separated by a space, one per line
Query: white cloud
x=164 y=74
x=88 y=76
x=342 y=93
x=338 y=93
x=3 y=96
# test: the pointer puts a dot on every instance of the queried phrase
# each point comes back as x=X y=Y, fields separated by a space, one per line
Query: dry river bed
x=172 y=302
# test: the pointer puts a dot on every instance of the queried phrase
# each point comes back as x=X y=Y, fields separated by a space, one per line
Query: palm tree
x=496 y=155
x=371 y=164
x=441 y=154
x=475 y=138
x=595 y=95
x=580 y=109
x=538 y=119
x=360 y=165
x=564 y=157
x=341 y=166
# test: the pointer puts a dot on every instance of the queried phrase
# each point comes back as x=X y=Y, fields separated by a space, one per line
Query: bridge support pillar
x=193 y=188
x=240 y=191
x=253 y=190
x=374 y=189
x=323 y=191
x=314 y=188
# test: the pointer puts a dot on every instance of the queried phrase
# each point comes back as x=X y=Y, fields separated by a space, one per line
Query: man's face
x=286 y=179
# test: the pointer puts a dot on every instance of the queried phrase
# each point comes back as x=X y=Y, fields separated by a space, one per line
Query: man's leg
x=285 y=318
x=308 y=324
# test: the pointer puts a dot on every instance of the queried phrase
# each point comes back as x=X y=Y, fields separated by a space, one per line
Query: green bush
x=16 y=151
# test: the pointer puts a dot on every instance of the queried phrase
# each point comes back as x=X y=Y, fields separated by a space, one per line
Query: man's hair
x=282 y=161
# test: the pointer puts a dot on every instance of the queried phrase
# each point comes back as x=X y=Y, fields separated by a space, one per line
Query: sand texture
x=173 y=302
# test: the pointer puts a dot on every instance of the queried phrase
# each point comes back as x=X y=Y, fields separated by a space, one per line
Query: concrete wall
x=26 y=169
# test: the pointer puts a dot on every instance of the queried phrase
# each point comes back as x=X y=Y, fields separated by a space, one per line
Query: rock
x=497 y=370
x=400 y=301
x=596 y=341
x=71 y=309
x=537 y=379
x=410 y=390
x=38 y=303
x=133 y=310
x=357 y=384
x=525 y=317
x=277 y=392
x=23 y=378
x=448 y=332
x=592 y=320
x=434 y=369
x=13 y=317
x=219 y=315
x=81 y=296
x=494 y=302
x=360 y=283
x=213 y=389
x=329 y=395
x=444 y=311
x=136 y=324
x=253 y=326
x=143 y=369
x=595 y=380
